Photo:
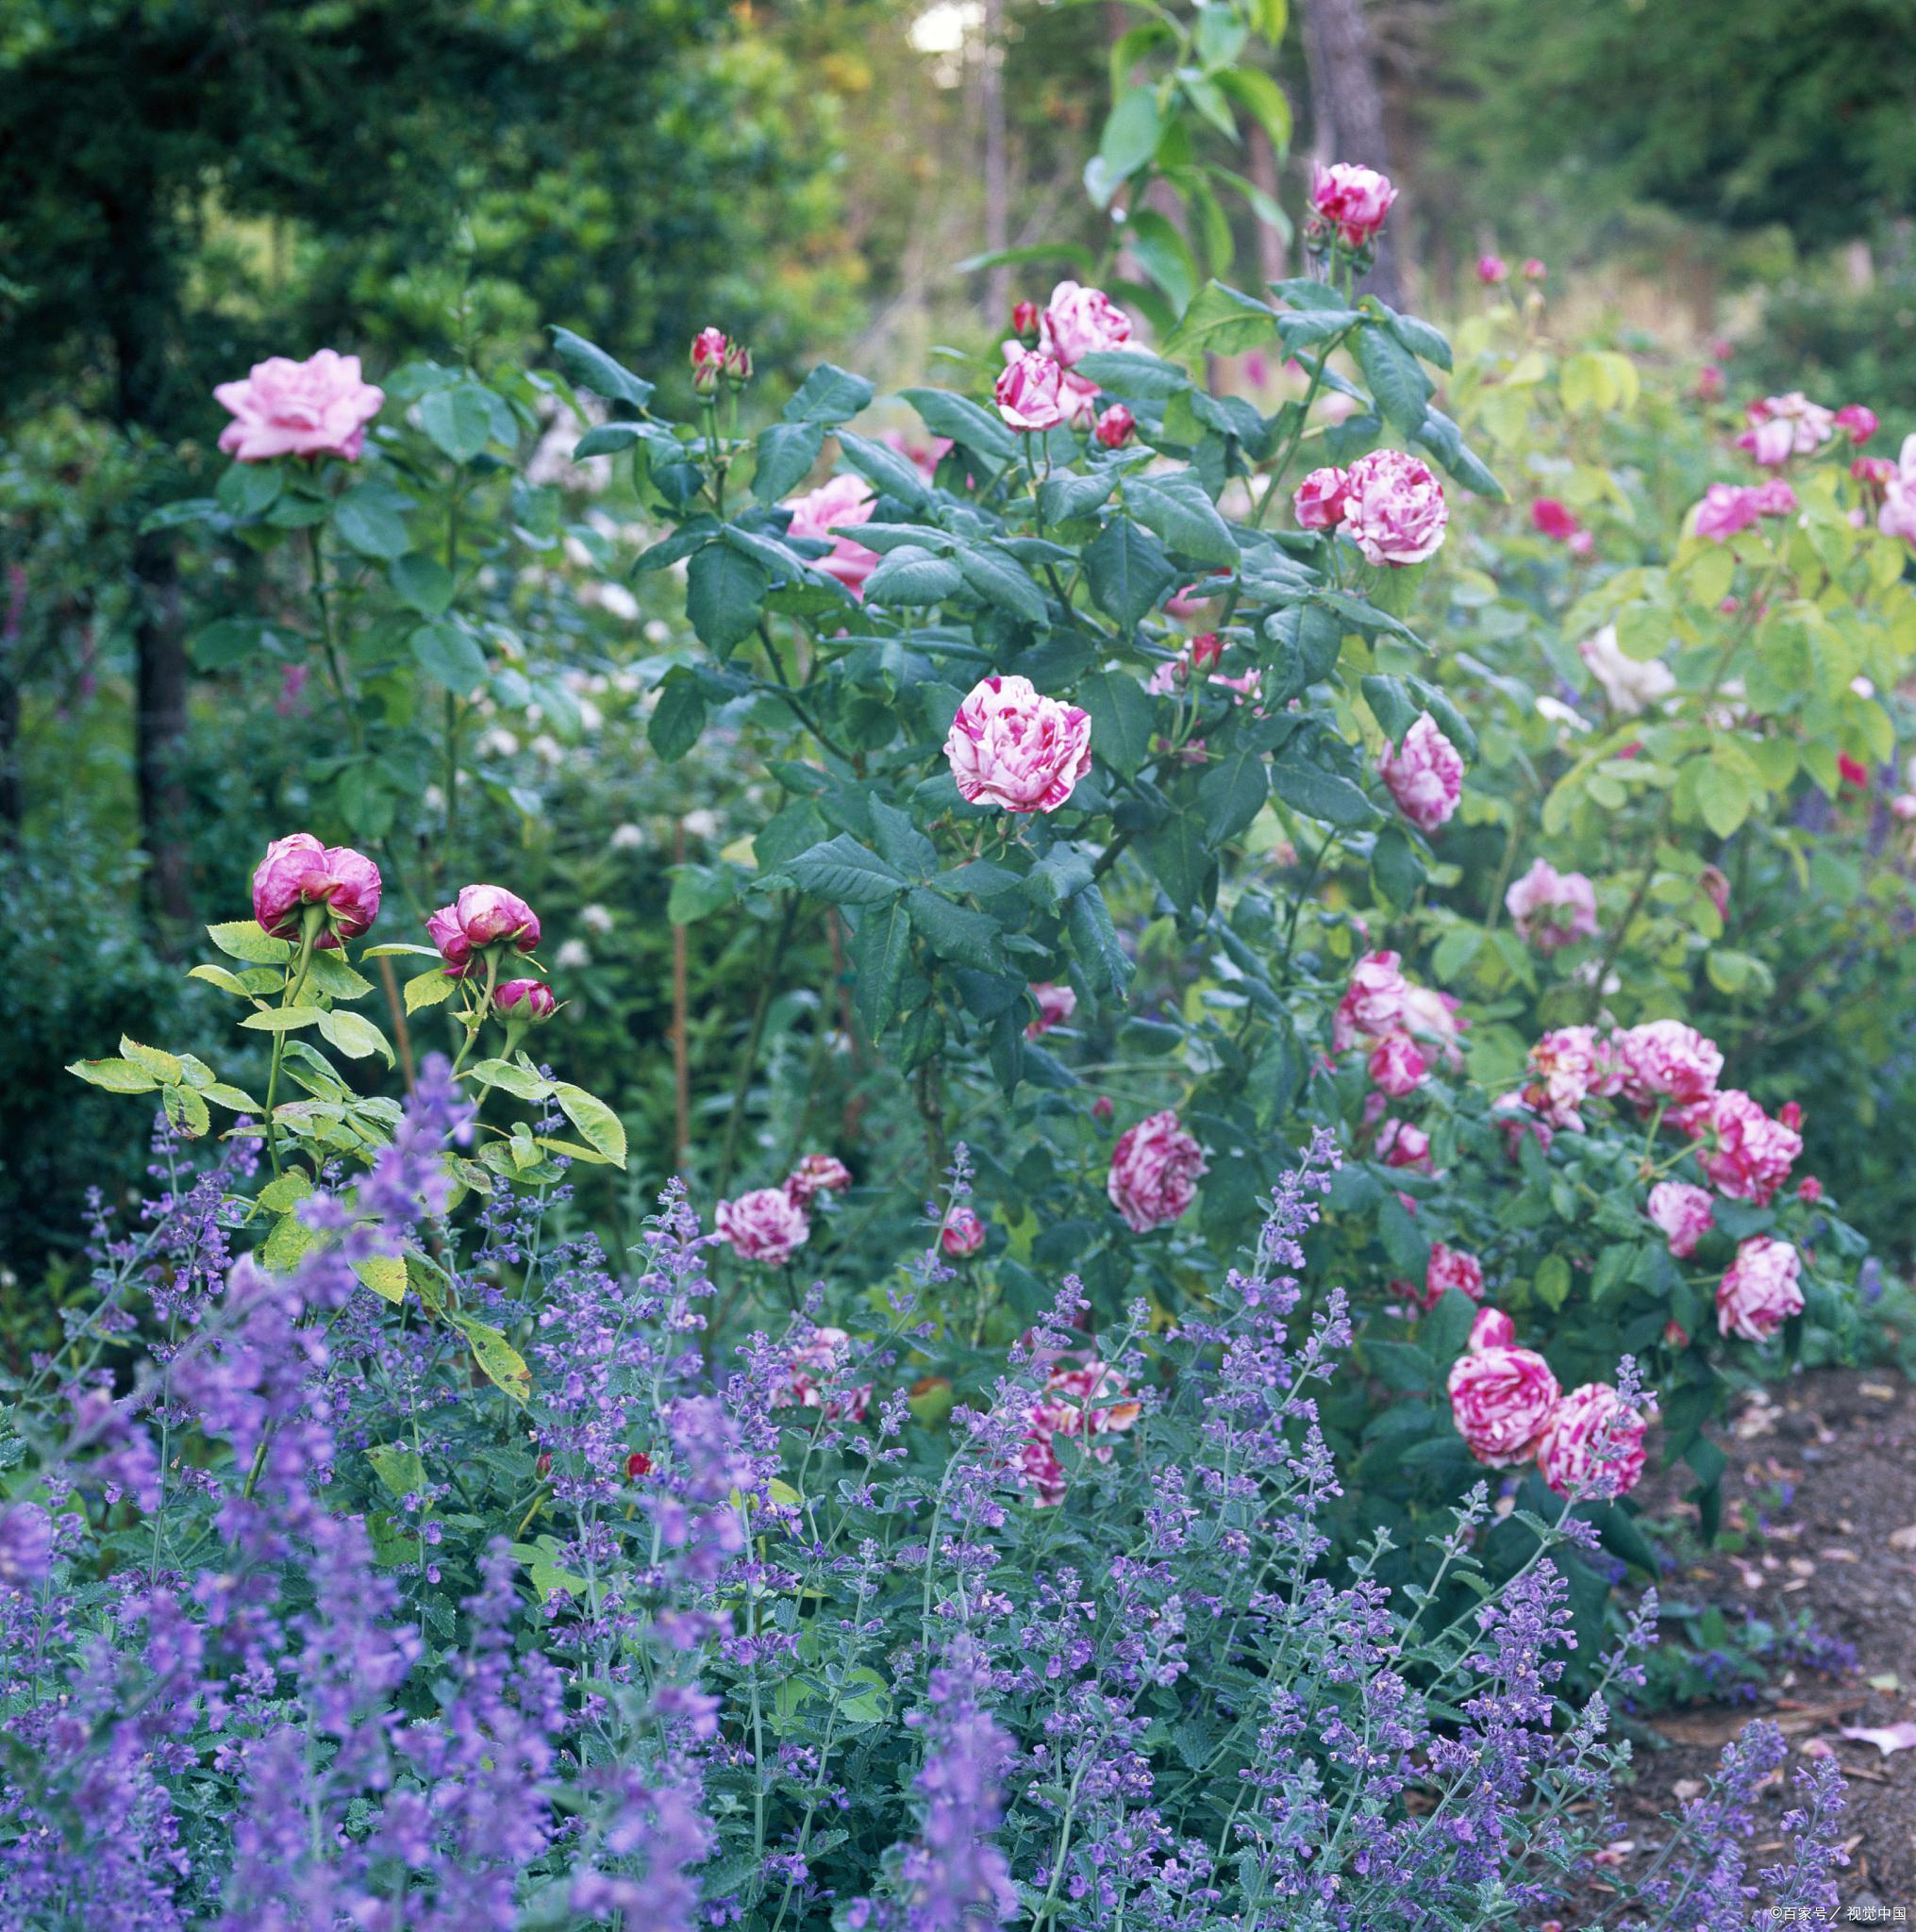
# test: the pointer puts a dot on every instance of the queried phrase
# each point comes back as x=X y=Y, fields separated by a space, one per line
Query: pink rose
x=1683 y=1213
x=1077 y=321
x=708 y=348
x=1450 y=1268
x=1709 y=383
x=1810 y=1190
x=1373 y=1003
x=1513 y=1114
x=964 y=1234
x=1568 y=1066
x=1028 y=391
x=1860 y=420
x=1500 y=1398
x=297 y=872
x=1010 y=746
x=1493 y=271
x=816 y=1366
x=1319 y=501
x=1725 y=509
x=1424 y=775
x=1775 y=498
x=1549 y=518
x=1760 y=1290
x=1397 y=1067
x=524 y=999
x=1746 y=1153
x=1024 y=320
x=820 y=513
x=318 y=407
x=1550 y=908
x=1081 y=1404
x=481 y=916
x=1102 y=1110
x=1155 y=1170
x=1783 y=427
x=1586 y=1423
x=1351 y=200
x=1534 y=270
x=1403 y=1143
x=1056 y=1006
x=1395 y=510
x=766 y=1225
x=1493 y=1328
x=1664 y=1059
x=1116 y=426
x=1432 y=1020
x=817 y=1174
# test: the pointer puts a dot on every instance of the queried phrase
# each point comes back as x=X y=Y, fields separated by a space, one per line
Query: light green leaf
x=243 y=939
x=283 y=1018
x=601 y=1127
x=432 y=989
x=355 y=1036
x=499 y=1361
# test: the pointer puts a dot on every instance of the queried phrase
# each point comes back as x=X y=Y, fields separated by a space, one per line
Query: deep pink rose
x=1664 y=1059
x=1352 y=200
x=1396 y=1066
x=481 y=916
x=1393 y=508
x=820 y=513
x=1568 y=1066
x=1082 y=1405
x=524 y=999
x=1056 y=1006
x=1013 y=747
x=1500 y=1398
x=964 y=1234
x=1319 y=501
x=1550 y=908
x=813 y=1377
x=1424 y=775
x=817 y=1174
x=708 y=348
x=1077 y=321
x=1116 y=426
x=1493 y=271
x=1760 y=1290
x=1373 y=1003
x=1155 y=1170
x=1029 y=392
x=1450 y=1268
x=1709 y=383
x=1746 y=1153
x=298 y=871
x=1550 y=518
x=1102 y=1110
x=1493 y=1328
x=1683 y=1213
x=1786 y=426
x=1584 y=1424
x=767 y=1224
x=1024 y=320
x=1860 y=420
x=318 y=407
x=1403 y=1143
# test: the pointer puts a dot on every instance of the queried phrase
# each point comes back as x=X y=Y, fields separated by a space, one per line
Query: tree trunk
x=997 y=166
x=1263 y=172
x=1348 y=112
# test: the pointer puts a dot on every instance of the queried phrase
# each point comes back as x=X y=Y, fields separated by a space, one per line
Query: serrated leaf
x=429 y=989
x=1327 y=796
x=1127 y=569
x=499 y=1361
x=912 y=578
x=163 y=1066
x=1094 y=941
x=589 y=367
x=1002 y=580
x=243 y=939
x=602 y=1128
x=1178 y=510
x=828 y=394
x=355 y=1036
x=1122 y=719
x=1232 y=792
x=724 y=596
x=1398 y=383
x=225 y=980
x=459 y=418
x=955 y=932
x=288 y=1244
x=385 y=1275
x=845 y=872
x=786 y=451
x=283 y=1018
x=963 y=420
x=879 y=950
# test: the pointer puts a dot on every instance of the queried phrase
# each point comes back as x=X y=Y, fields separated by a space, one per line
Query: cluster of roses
x=1038 y=390
x=770 y=1224
x=311 y=893
x=1404 y=1030
x=715 y=359
x=1083 y=1402
x=1388 y=503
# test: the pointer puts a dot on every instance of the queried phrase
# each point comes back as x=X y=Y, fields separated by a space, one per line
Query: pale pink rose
x=1500 y=1399
x=1743 y=1151
x=1373 y=1003
x=1396 y=1066
x=1116 y=426
x=1775 y=498
x=1493 y=271
x=1860 y=421
x=481 y=916
x=1760 y=1290
x=1628 y=685
x=1664 y=1059
x=1080 y=400
x=1154 y=1171
x=1551 y=909
x=1904 y=805
x=1725 y=509
x=1786 y=426
x=924 y=456
x=1318 y=502
x=298 y=872
x=964 y=1234
x=1585 y=1423
x=1897 y=517
x=1393 y=508
x=524 y=999
x=1493 y=1328
x=318 y=407
x=1568 y=1066
x=812 y=1380
x=1352 y=200
x=1424 y=775
x=1010 y=746
x=766 y=1225
x=1056 y=1006
x=817 y=1174
x=1028 y=394
x=834 y=504
x=1683 y=1213
x=1432 y=1019
x=1403 y=1143
x=1077 y=321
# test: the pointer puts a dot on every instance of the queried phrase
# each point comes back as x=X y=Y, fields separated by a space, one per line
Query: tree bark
x=1263 y=172
x=1348 y=112
x=997 y=165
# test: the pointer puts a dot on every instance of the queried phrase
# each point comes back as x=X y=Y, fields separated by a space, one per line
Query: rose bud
x=709 y=349
x=1116 y=426
x=1860 y=420
x=481 y=916
x=738 y=364
x=1024 y=321
x=543 y=1466
x=964 y=1234
x=522 y=1000
x=1534 y=270
x=299 y=872
x=1102 y=1108
x=638 y=1464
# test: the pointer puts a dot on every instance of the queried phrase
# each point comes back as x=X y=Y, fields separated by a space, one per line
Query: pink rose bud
x=1675 y=1335
x=1318 y=502
x=1860 y=420
x=1760 y=1290
x=1549 y=518
x=708 y=351
x=738 y=364
x=1500 y=1399
x=1550 y=908
x=1079 y=320
x=1425 y=776
x=1012 y=747
x=1683 y=1213
x=1102 y=1108
x=964 y=1234
x=1393 y=508
x=524 y=999
x=766 y=1225
x=1024 y=321
x=481 y=916
x=1582 y=1424
x=1534 y=270
x=1709 y=383
x=1028 y=391
x=298 y=872
x=1493 y=271
x=1790 y=1114
x=1854 y=771
x=318 y=407
x=824 y=514
x=817 y=1174
x=1403 y=1143
x=1350 y=202
x=1874 y=474
x=1116 y=426
x=1155 y=1172
x=1397 y=1067
x=1810 y=1190
x=1056 y=1006
x=1493 y=1328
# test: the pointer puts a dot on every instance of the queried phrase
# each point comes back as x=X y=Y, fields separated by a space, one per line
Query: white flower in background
x=591 y=717
x=1560 y=713
x=702 y=824
x=1862 y=687
x=547 y=749
x=433 y=799
x=1629 y=686
x=573 y=956
x=576 y=552
x=500 y=743
x=595 y=919
x=614 y=599
x=657 y=632
x=626 y=838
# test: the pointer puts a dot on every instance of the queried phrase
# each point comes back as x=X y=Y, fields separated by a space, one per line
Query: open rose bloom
x=1031 y=391
x=1351 y=201
x=824 y=512
x=817 y=1174
x=1551 y=909
x=1500 y=1399
x=1055 y=1006
x=1424 y=775
x=766 y=1225
x=1154 y=1171
x=1684 y=1213
x=1746 y=1153
x=298 y=872
x=1079 y=320
x=1589 y=1441
x=1760 y=1290
x=815 y=1378
x=318 y=407
x=1011 y=746
x=1393 y=508
x=1084 y=1404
